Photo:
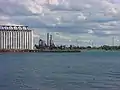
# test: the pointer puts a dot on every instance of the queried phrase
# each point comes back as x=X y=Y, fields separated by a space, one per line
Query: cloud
x=74 y=18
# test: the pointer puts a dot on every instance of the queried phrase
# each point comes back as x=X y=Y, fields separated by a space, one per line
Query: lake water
x=60 y=71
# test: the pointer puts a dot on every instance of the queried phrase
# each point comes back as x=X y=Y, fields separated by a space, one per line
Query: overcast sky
x=70 y=21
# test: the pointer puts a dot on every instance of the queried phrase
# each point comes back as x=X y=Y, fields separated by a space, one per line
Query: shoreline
x=56 y=51
x=37 y=51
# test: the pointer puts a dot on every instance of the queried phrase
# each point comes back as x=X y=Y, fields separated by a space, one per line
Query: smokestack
x=50 y=40
x=47 y=39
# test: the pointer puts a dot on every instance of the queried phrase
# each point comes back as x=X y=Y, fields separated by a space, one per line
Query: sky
x=78 y=22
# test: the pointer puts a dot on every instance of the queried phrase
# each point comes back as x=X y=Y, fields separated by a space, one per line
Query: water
x=60 y=71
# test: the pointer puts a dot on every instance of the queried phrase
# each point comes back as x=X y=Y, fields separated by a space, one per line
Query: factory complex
x=20 y=39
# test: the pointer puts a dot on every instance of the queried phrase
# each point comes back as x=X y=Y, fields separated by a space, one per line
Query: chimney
x=50 y=40
x=47 y=39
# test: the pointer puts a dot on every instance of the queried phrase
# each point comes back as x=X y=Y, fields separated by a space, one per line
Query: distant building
x=16 y=37
x=48 y=39
x=42 y=43
x=51 y=41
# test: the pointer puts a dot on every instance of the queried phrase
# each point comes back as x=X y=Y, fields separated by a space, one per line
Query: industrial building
x=16 y=37
x=49 y=40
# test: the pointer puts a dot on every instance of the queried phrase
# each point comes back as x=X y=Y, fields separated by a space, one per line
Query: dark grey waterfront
x=60 y=71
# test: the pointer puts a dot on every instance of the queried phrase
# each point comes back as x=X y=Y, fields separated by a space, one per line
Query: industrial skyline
x=48 y=42
x=21 y=37
x=96 y=20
